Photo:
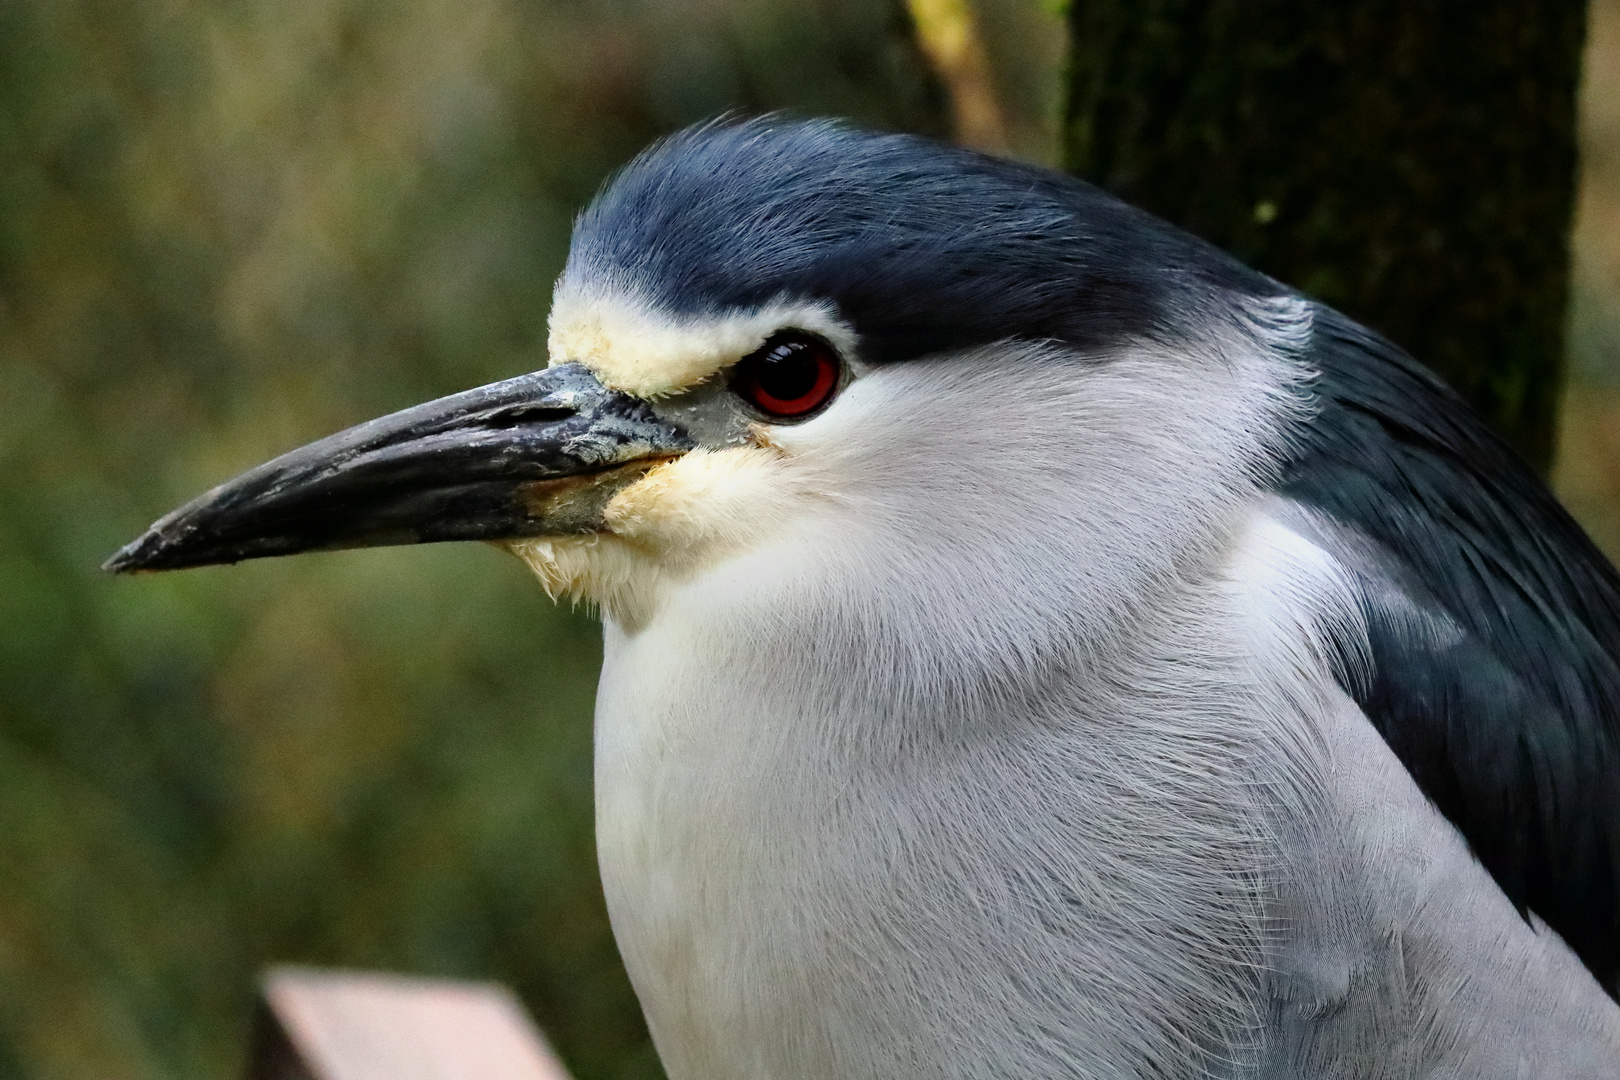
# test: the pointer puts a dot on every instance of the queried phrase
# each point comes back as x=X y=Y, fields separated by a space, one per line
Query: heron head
x=765 y=324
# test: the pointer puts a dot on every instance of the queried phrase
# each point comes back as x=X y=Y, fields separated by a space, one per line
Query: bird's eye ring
x=792 y=375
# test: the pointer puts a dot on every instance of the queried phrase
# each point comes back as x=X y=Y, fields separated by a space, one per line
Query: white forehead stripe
x=639 y=349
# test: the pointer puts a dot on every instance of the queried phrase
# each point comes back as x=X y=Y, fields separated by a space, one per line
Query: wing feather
x=1509 y=722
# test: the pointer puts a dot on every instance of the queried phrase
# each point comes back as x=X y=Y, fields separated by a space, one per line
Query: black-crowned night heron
x=1037 y=645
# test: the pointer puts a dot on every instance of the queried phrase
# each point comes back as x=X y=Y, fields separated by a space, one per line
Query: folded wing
x=1493 y=624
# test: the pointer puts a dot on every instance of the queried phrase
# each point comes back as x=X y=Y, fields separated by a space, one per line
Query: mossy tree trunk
x=1410 y=163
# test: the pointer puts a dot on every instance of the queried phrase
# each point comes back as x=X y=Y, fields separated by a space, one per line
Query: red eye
x=792 y=374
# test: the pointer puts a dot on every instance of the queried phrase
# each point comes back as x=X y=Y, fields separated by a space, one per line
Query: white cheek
x=1016 y=494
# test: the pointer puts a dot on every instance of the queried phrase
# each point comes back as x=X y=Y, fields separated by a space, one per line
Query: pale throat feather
x=683 y=517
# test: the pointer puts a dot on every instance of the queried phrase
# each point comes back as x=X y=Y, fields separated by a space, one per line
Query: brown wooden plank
x=343 y=1025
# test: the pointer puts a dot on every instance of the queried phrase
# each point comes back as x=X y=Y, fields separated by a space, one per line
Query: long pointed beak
x=537 y=455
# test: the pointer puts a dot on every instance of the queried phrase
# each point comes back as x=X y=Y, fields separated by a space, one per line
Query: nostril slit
x=526 y=414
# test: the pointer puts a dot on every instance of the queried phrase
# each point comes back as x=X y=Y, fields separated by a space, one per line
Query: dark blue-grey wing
x=1509 y=720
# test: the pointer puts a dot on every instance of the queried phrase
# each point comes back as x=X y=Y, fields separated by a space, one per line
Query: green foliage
x=225 y=229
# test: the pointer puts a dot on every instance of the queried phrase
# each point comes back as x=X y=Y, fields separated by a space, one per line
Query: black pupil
x=788 y=371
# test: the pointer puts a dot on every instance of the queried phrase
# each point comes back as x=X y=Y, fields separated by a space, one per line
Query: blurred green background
x=230 y=227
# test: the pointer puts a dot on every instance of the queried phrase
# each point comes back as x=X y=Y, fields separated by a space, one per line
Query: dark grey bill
x=537 y=455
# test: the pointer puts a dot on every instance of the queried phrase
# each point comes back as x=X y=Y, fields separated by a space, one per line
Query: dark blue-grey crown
x=921 y=246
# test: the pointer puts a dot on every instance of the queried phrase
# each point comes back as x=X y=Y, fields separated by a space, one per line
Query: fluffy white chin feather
x=679 y=520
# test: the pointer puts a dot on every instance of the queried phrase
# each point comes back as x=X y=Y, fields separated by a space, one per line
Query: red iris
x=792 y=374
